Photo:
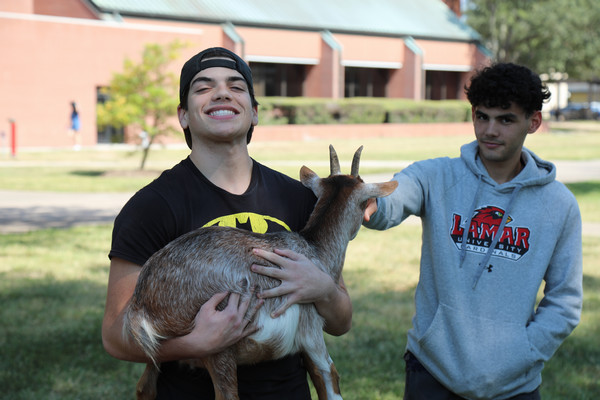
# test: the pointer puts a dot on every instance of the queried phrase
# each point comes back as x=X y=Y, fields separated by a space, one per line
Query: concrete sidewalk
x=23 y=211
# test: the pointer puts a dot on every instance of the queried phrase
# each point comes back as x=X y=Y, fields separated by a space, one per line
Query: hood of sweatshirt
x=535 y=172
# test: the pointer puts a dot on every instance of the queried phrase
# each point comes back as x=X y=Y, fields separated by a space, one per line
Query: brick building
x=53 y=52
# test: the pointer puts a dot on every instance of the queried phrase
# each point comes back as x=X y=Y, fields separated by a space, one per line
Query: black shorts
x=273 y=380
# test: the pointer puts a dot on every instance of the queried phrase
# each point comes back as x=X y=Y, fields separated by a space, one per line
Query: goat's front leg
x=324 y=377
x=146 y=386
x=319 y=364
x=222 y=368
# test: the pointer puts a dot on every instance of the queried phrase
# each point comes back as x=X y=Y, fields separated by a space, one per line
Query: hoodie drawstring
x=463 y=249
x=488 y=254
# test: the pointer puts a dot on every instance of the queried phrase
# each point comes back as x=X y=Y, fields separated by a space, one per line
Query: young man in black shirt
x=219 y=184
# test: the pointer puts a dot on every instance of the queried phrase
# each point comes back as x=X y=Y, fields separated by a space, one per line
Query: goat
x=178 y=279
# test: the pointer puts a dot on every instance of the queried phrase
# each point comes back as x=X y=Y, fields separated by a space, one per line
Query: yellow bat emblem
x=258 y=223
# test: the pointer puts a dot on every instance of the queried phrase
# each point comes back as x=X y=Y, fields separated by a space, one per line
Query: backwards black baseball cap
x=210 y=58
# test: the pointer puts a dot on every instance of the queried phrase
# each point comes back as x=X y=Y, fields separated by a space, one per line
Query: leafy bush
x=270 y=114
x=314 y=112
x=297 y=111
x=362 y=111
x=428 y=111
x=359 y=110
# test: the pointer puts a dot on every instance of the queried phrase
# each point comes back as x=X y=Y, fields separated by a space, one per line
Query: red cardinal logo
x=491 y=216
x=513 y=241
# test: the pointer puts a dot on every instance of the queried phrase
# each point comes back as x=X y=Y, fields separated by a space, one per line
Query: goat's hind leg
x=222 y=368
x=146 y=386
x=321 y=369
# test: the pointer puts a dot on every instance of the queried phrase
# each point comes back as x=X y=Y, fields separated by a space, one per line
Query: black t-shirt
x=181 y=200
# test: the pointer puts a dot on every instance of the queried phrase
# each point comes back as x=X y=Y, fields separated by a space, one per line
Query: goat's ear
x=310 y=179
x=372 y=190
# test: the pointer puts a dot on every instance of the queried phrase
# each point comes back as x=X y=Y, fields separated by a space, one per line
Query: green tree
x=584 y=60
x=144 y=95
x=545 y=35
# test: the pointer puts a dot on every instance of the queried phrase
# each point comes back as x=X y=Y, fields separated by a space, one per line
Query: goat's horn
x=334 y=163
x=356 y=162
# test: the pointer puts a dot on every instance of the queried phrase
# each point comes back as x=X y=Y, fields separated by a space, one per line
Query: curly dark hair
x=501 y=84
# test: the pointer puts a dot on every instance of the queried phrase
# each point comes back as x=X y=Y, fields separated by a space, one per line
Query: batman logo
x=251 y=222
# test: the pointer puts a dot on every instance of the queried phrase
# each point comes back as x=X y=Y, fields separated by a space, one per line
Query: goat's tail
x=138 y=326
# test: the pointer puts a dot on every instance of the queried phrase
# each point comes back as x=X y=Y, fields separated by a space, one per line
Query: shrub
x=359 y=110
x=428 y=111
x=362 y=111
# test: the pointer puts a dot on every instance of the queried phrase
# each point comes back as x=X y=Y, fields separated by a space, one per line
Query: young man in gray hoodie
x=496 y=225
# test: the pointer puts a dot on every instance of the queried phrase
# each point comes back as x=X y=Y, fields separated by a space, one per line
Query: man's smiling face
x=219 y=105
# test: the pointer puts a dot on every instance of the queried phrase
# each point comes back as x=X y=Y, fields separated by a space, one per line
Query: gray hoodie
x=478 y=327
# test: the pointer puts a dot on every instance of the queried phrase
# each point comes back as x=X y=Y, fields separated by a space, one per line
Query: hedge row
x=359 y=110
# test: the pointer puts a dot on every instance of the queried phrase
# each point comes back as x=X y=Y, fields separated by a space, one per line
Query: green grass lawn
x=112 y=170
x=94 y=170
x=53 y=287
x=53 y=282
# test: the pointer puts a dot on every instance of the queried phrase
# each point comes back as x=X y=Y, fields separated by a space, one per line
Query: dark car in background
x=578 y=111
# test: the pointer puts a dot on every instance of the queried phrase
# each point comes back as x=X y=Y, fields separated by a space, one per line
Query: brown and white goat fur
x=176 y=281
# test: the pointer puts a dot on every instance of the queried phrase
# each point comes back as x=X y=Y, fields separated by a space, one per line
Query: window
x=365 y=82
x=284 y=80
x=442 y=85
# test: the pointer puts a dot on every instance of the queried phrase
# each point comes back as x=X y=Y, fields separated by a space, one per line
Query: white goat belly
x=280 y=331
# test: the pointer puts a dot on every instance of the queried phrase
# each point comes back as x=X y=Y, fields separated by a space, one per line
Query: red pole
x=13 y=137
